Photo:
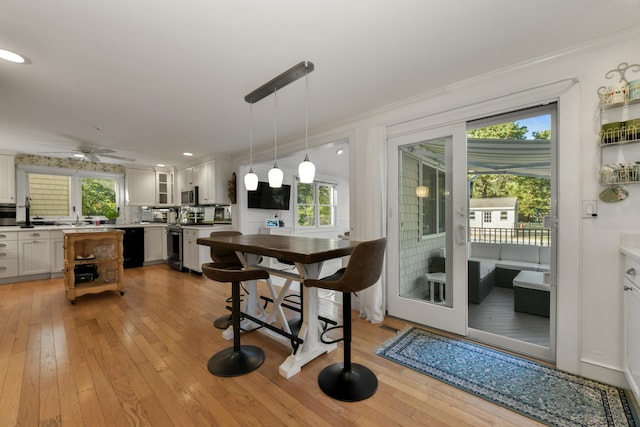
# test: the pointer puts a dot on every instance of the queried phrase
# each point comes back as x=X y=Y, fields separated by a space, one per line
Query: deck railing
x=521 y=236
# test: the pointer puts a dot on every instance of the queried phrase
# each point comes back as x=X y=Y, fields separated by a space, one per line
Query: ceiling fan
x=93 y=154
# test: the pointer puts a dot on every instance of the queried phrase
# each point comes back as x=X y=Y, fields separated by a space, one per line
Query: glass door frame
x=448 y=318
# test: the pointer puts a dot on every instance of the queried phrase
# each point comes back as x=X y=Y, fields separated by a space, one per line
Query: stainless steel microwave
x=189 y=197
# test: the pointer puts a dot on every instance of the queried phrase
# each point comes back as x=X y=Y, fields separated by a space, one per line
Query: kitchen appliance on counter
x=7 y=214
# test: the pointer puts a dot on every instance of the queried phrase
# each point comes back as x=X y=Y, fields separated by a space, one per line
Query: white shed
x=496 y=212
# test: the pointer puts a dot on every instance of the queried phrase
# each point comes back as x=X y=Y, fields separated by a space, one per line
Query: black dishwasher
x=133 y=247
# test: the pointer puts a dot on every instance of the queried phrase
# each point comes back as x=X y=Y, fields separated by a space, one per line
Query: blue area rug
x=537 y=391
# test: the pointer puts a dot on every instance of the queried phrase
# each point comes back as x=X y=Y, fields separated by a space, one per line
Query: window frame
x=436 y=190
x=316 y=206
x=75 y=197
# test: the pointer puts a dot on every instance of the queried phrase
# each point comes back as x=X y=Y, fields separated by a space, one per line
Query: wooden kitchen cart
x=92 y=262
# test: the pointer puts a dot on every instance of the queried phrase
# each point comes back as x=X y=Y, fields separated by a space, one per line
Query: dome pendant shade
x=306 y=170
x=275 y=176
x=251 y=180
x=422 y=191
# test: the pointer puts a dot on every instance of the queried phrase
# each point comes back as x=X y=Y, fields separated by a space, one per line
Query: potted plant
x=111 y=215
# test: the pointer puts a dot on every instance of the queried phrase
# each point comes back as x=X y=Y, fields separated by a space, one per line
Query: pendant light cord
x=275 y=125
x=250 y=135
x=306 y=110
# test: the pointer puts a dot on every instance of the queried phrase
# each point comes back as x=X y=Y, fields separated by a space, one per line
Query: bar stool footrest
x=231 y=363
x=348 y=385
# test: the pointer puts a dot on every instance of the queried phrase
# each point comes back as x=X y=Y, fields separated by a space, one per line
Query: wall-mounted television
x=266 y=197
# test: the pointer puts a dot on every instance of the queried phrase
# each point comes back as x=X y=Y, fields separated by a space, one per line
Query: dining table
x=308 y=254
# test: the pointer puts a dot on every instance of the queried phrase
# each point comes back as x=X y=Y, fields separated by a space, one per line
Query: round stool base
x=223 y=322
x=352 y=385
x=231 y=363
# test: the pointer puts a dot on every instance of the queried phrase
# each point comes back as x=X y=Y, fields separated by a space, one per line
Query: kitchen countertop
x=630 y=245
x=83 y=227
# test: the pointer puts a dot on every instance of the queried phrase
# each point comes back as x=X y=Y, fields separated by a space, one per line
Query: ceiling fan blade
x=111 y=156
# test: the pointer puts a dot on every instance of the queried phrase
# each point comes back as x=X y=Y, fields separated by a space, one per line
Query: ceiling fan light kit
x=306 y=168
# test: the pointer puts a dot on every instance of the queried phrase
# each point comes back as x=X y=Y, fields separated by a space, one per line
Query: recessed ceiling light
x=187 y=154
x=160 y=165
x=78 y=155
x=339 y=151
x=7 y=55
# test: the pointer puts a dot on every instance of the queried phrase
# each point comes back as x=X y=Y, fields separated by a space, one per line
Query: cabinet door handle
x=3 y=268
x=627 y=288
x=631 y=271
x=2 y=245
x=3 y=254
x=3 y=236
x=35 y=234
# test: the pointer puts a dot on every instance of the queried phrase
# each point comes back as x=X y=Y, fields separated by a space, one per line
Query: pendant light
x=275 y=174
x=306 y=169
x=251 y=179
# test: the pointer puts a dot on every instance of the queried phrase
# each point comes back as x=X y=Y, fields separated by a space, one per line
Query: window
x=64 y=193
x=433 y=206
x=486 y=216
x=503 y=215
x=316 y=204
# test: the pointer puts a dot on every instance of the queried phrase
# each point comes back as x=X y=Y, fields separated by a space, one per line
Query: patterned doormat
x=534 y=390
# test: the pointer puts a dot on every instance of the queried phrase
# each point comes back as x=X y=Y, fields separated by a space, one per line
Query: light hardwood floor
x=140 y=359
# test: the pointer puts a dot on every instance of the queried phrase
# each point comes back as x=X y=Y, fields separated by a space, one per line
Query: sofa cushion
x=485 y=250
x=517 y=265
x=486 y=268
x=526 y=253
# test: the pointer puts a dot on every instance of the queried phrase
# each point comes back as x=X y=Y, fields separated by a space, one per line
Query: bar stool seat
x=239 y=359
x=346 y=381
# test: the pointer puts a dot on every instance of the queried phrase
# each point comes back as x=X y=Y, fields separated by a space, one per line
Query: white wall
x=589 y=277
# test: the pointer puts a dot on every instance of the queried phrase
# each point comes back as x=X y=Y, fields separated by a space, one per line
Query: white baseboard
x=606 y=374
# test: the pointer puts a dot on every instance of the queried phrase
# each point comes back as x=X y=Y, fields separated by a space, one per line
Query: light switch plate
x=589 y=209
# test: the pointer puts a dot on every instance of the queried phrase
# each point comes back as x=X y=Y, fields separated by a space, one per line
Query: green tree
x=98 y=196
x=534 y=194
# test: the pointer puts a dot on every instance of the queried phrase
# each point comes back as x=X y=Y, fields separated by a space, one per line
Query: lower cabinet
x=193 y=254
x=57 y=253
x=155 y=244
x=631 y=352
x=8 y=254
x=33 y=252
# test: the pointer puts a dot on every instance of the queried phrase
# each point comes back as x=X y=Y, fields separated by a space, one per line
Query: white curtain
x=368 y=207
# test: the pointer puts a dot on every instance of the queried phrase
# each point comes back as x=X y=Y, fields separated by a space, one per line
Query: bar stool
x=239 y=359
x=346 y=381
x=224 y=258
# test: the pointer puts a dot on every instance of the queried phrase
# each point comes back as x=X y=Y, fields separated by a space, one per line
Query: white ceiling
x=153 y=78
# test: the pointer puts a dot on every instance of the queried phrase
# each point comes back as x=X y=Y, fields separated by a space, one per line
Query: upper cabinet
x=141 y=187
x=212 y=179
x=7 y=179
x=149 y=187
x=164 y=188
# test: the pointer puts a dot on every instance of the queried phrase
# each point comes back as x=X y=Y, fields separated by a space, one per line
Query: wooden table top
x=306 y=250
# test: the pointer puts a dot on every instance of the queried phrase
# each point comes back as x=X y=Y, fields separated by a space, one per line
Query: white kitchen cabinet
x=631 y=352
x=57 y=253
x=164 y=188
x=141 y=187
x=213 y=182
x=155 y=246
x=184 y=179
x=7 y=179
x=194 y=255
x=33 y=252
x=8 y=254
